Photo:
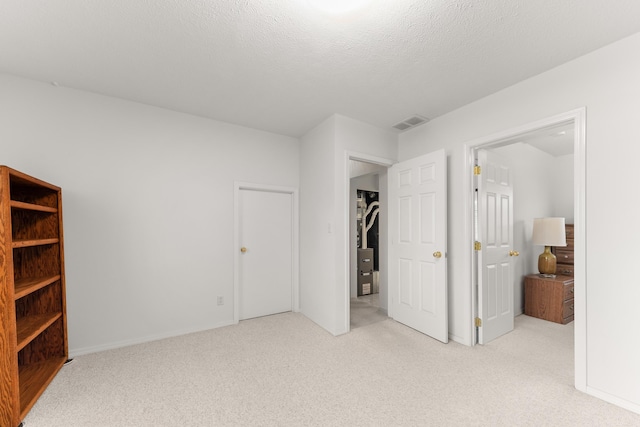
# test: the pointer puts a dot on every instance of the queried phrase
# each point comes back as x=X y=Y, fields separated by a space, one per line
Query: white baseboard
x=623 y=403
x=75 y=352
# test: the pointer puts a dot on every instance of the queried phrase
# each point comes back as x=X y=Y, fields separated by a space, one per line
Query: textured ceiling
x=283 y=66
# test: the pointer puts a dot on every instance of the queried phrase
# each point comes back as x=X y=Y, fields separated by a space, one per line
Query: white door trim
x=361 y=157
x=295 y=224
x=578 y=117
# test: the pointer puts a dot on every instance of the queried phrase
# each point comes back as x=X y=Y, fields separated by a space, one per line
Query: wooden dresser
x=549 y=298
x=564 y=254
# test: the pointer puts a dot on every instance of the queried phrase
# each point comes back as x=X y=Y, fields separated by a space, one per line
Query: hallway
x=365 y=310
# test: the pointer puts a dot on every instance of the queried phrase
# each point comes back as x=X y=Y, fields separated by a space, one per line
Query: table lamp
x=548 y=232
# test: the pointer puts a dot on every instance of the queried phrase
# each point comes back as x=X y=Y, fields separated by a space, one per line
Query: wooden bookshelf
x=33 y=322
x=31 y=284
x=34 y=378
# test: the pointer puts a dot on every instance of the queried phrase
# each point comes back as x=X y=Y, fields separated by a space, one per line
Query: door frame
x=367 y=158
x=578 y=118
x=295 y=226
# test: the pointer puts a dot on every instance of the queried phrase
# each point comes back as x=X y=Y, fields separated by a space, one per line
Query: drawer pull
x=571 y=290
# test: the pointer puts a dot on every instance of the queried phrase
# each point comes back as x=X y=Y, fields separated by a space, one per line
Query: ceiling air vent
x=411 y=122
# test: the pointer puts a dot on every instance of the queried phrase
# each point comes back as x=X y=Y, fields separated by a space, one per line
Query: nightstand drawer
x=568 y=292
x=567 y=309
x=564 y=269
x=564 y=256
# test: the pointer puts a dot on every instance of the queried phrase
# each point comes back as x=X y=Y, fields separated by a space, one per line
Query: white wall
x=562 y=194
x=357 y=168
x=148 y=206
x=324 y=214
x=606 y=83
x=317 y=235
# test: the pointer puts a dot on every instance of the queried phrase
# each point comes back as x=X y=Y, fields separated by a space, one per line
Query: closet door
x=266 y=252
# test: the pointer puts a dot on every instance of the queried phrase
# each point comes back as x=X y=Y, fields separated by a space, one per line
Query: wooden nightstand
x=549 y=298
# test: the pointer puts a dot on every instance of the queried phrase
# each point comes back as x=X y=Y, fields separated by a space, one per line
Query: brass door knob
x=243 y=249
x=437 y=254
x=514 y=253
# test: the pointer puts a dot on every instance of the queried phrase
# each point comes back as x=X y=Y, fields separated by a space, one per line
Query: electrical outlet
x=220 y=300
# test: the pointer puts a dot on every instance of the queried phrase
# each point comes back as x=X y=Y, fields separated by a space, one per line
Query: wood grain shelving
x=33 y=378
x=33 y=325
x=33 y=242
x=32 y=207
x=30 y=327
x=31 y=284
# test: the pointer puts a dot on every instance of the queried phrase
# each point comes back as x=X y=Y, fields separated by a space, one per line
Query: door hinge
x=477 y=246
x=478 y=322
x=477 y=170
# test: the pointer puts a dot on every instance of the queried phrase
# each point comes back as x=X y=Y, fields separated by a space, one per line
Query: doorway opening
x=545 y=197
x=364 y=226
x=366 y=290
x=367 y=243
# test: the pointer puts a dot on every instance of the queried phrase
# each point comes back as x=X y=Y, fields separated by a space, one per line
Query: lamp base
x=547 y=263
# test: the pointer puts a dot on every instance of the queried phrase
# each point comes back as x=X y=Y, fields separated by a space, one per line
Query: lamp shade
x=549 y=232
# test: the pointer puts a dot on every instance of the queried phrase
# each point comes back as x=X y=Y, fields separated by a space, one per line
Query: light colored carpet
x=366 y=310
x=284 y=370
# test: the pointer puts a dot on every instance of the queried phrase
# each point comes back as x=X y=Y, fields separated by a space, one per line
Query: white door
x=418 y=249
x=266 y=253
x=496 y=255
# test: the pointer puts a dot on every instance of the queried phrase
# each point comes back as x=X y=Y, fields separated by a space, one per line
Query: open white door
x=418 y=244
x=496 y=256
